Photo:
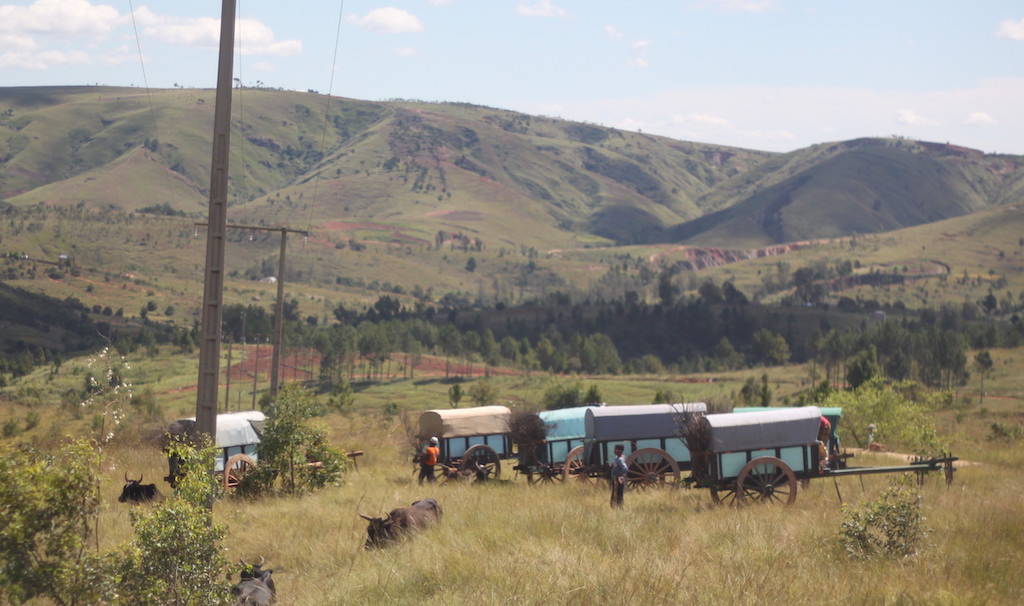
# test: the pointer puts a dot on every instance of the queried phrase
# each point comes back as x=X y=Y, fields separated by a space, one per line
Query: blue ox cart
x=471 y=440
x=237 y=439
x=580 y=443
x=751 y=457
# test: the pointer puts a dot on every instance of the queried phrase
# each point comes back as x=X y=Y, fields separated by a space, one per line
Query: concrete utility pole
x=213 y=282
x=279 y=314
x=279 y=311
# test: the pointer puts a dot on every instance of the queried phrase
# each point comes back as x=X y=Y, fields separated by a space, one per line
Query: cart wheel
x=546 y=474
x=235 y=469
x=767 y=480
x=484 y=460
x=650 y=467
x=726 y=495
x=575 y=469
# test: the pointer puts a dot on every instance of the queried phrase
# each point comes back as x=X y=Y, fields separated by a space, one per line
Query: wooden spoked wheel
x=483 y=460
x=767 y=480
x=236 y=468
x=546 y=474
x=575 y=469
x=726 y=495
x=651 y=467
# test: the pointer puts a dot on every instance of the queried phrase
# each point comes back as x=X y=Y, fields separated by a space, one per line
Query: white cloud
x=785 y=118
x=1014 y=30
x=702 y=119
x=406 y=51
x=389 y=20
x=43 y=60
x=59 y=18
x=912 y=118
x=543 y=8
x=744 y=6
x=253 y=37
x=15 y=43
x=612 y=32
x=638 y=53
x=979 y=118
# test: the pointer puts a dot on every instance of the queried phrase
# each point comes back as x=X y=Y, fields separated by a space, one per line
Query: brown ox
x=400 y=522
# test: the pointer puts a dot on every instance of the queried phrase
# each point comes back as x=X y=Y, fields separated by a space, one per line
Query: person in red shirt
x=428 y=461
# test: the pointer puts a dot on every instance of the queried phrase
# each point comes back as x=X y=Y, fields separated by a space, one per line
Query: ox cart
x=584 y=438
x=757 y=457
x=565 y=430
x=237 y=439
x=471 y=440
x=836 y=456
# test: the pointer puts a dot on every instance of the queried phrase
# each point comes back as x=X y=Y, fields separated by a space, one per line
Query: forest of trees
x=715 y=330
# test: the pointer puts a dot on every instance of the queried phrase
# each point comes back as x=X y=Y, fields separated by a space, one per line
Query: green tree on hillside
x=983 y=363
x=862 y=367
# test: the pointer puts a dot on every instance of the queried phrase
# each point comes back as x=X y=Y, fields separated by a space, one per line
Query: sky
x=771 y=75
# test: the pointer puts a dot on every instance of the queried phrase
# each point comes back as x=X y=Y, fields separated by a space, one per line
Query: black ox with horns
x=401 y=521
x=136 y=492
x=257 y=585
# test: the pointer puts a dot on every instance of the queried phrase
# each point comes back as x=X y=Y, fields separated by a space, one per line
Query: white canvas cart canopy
x=776 y=428
x=642 y=422
x=238 y=428
x=464 y=422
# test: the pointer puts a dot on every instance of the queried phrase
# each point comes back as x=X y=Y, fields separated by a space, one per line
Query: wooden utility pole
x=213 y=281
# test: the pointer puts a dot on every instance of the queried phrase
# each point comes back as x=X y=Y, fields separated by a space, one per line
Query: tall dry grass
x=510 y=543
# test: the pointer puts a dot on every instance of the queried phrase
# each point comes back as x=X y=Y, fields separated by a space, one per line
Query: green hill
x=452 y=204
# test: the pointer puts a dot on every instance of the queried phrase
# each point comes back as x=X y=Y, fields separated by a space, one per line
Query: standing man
x=619 y=470
x=428 y=461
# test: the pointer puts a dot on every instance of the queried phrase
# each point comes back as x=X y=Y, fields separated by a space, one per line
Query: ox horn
x=126 y=476
x=366 y=517
x=262 y=561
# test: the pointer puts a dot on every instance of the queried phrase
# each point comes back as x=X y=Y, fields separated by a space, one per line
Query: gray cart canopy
x=641 y=422
x=237 y=433
x=773 y=428
x=464 y=422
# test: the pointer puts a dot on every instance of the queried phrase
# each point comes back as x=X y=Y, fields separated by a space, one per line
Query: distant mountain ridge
x=422 y=169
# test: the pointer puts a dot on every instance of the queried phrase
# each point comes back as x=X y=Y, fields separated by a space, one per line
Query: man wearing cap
x=428 y=461
x=619 y=470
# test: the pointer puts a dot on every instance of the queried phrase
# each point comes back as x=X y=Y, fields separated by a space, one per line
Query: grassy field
x=511 y=543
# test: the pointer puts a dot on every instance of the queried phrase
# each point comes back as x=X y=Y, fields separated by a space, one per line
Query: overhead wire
x=327 y=114
x=240 y=191
x=145 y=80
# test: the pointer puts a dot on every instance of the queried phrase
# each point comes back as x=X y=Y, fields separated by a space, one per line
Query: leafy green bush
x=891 y=526
x=294 y=454
x=901 y=412
x=176 y=556
x=1007 y=432
x=49 y=505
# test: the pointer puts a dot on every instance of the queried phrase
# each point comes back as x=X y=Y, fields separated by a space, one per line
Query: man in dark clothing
x=619 y=470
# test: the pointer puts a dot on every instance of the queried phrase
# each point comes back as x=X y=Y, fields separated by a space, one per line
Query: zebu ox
x=136 y=492
x=401 y=522
x=257 y=585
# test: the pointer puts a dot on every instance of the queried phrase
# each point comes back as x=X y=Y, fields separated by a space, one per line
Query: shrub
x=294 y=454
x=891 y=526
x=176 y=556
x=50 y=504
x=1007 y=432
x=903 y=423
